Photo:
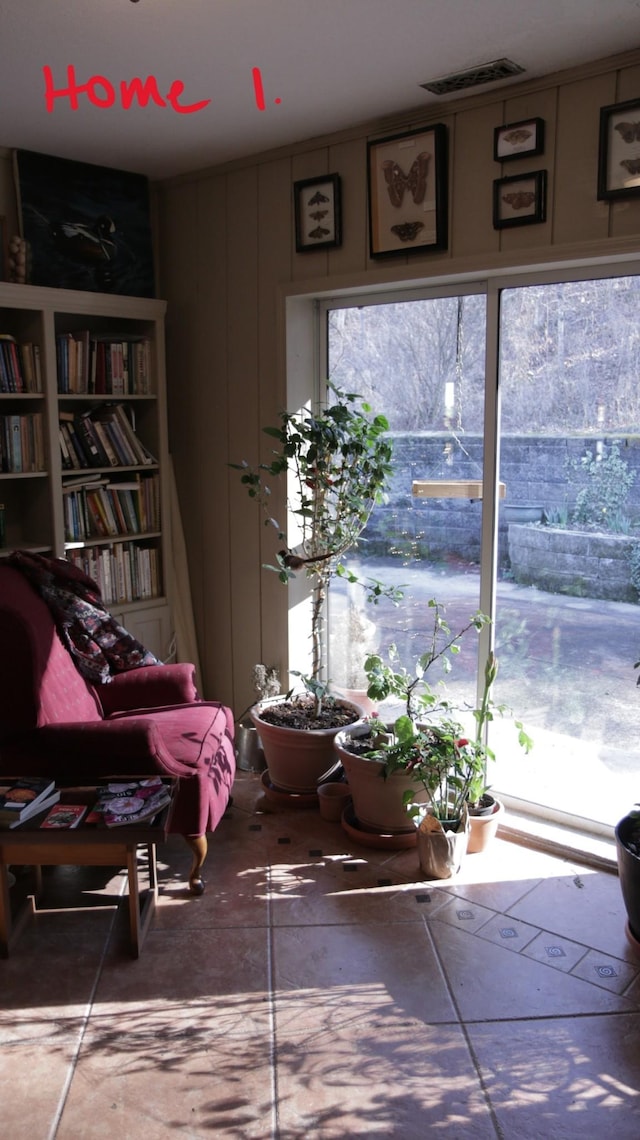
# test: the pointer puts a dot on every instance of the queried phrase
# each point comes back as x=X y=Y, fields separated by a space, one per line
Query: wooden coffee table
x=89 y=845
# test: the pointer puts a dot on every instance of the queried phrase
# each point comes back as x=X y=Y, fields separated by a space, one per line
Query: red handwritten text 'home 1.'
x=101 y=92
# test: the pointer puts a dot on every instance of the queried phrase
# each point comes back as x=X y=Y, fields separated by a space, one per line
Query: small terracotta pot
x=483 y=828
x=332 y=799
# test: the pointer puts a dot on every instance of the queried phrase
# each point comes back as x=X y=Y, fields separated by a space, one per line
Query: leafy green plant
x=338 y=460
x=441 y=758
x=604 y=483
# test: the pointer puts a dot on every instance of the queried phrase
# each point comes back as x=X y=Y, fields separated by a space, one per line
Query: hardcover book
x=19 y=796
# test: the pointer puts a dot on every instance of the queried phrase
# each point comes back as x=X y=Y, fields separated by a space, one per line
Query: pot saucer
x=366 y=837
x=287 y=799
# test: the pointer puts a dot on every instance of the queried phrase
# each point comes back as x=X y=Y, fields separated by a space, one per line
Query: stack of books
x=22 y=798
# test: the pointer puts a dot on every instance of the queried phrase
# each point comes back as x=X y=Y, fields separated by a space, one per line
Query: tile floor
x=320 y=989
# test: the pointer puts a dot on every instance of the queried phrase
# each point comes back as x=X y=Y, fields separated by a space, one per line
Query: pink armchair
x=146 y=721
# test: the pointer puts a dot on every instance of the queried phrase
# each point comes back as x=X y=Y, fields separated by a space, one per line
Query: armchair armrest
x=150 y=687
x=82 y=753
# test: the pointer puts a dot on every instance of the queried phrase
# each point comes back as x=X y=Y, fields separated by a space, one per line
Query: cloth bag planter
x=441 y=850
x=483 y=828
x=297 y=759
x=377 y=803
x=629 y=873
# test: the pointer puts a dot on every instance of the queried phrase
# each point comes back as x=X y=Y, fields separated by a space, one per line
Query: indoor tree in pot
x=337 y=460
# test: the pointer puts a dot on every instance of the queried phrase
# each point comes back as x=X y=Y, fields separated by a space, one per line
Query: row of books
x=103 y=365
x=115 y=804
x=102 y=509
x=20 y=369
x=101 y=437
x=22 y=446
x=124 y=571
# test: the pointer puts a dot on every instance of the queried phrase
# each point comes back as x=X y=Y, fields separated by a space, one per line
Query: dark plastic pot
x=629 y=871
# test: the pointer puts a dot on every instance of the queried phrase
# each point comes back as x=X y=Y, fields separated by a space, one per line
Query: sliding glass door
x=549 y=413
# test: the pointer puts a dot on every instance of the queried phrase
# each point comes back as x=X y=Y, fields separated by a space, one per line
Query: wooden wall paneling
x=244 y=536
x=349 y=160
x=625 y=214
x=210 y=434
x=315 y=262
x=274 y=267
x=178 y=230
x=578 y=215
x=472 y=171
x=541 y=104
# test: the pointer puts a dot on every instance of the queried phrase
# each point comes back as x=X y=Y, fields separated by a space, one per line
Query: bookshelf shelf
x=109 y=350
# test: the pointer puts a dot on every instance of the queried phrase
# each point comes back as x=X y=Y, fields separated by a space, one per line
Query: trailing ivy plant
x=338 y=460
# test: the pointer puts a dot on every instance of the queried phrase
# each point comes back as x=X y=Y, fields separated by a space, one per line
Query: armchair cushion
x=148 y=687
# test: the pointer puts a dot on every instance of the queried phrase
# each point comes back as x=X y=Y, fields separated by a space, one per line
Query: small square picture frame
x=520 y=200
x=619 y=151
x=318 y=213
x=518 y=140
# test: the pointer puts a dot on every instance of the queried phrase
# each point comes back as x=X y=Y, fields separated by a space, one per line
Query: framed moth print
x=317 y=208
x=518 y=140
x=407 y=185
x=520 y=200
x=619 y=150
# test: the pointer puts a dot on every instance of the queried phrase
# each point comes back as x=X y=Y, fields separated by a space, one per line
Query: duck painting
x=86 y=242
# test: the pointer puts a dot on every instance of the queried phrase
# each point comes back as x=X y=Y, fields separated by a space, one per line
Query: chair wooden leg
x=199 y=847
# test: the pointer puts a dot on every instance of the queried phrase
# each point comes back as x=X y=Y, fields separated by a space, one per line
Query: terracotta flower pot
x=377 y=803
x=332 y=800
x=297 y=759
x=483 y=828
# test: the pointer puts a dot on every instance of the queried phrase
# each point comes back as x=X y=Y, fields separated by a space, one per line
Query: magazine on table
x=132 y=801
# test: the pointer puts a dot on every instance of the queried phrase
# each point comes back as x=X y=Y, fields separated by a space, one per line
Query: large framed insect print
x=619 y=150
x=520 y=200
x=407 y=184
x=317 y=208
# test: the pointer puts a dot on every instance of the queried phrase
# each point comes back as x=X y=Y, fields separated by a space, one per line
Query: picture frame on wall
x=619 y=150
x=520 y=200
x=86 y=227
x=318 y=213
x=518 y=140
x=4 y=250
x=407 y=183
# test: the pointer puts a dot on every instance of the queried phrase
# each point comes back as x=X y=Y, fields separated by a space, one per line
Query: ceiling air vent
x=473 y=77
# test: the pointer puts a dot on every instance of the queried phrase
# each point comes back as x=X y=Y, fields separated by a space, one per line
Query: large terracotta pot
x=297 y=760
x=377 y=803
x=483 y=828
x=629 y=873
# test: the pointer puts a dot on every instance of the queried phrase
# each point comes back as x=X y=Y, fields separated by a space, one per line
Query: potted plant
x=337 y=461
x=443 y=771
x=378 y=791
x=627 y=835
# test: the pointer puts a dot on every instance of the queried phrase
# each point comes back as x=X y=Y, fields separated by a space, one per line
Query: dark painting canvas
x=87 y=226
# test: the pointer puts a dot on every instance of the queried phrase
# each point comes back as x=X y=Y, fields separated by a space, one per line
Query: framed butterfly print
x=317 y=208
x=619 y=150
x=407 y=184
x=518 y=140
x=520 y=200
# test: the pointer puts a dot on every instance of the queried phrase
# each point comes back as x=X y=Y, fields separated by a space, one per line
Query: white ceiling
x=332 y=63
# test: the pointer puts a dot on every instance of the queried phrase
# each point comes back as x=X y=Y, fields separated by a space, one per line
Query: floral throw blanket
x=98 y=644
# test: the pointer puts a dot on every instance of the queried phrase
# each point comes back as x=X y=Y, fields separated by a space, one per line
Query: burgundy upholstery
x=146 y=721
